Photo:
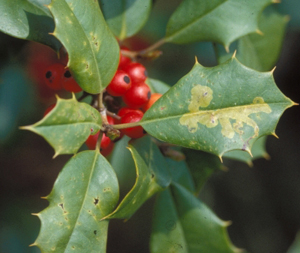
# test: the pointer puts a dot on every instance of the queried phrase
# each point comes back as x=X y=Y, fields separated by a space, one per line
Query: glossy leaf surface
x=218 y=20
x=125 y=17
x=217 y=109
x=85 y=191
x=152 y=176
x=260 y=51
x=93 y=50
x=182 y=223
x=28 y=20
x=68 y=125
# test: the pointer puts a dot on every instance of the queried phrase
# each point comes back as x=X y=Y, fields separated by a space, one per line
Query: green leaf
x=203 y=230
x=157 y=86
x=125 y=17
x=68 y=125
x=92 y=48
x=152 y=177
x=258 y=51
x=182 y=223
x=181 y=174
x=85 y=191
x=202 y=165
x=217 y=109
x=258 y=151
x=28 y=20
x=167 y=234
x=221 y=21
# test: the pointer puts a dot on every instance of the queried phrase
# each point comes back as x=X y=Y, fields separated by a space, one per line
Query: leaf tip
x=35 y=214
x=275 y=135
x=24 y=127
x=234 y=55
x=259 y=32
x=276 y=1
x=248 y=151
x=56 y=154
x=196 y=60
x=32 y=244
x=226 y=48
x=272 y=71
x=45 y=197
x=227 y=223
x=266 y=156
x=221 y=159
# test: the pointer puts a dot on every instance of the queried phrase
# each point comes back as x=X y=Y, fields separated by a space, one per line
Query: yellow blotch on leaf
x=202 y=96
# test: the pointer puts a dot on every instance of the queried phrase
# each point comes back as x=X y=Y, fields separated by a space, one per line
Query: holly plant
x=177 y=135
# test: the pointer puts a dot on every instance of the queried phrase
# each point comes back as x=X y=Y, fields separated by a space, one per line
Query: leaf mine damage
x=201 y=96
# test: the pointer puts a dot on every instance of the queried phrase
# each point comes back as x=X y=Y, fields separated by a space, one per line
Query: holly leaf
x=93 y=50
x=68 y=125
x=202 y=165
x=221 y=21
x=260 y=51
x=152 y=177
x=85 y=191
x=217 y=109
x=182 y=223
x=258 y=151
x=28 y=20
x=125 y=17
x=181 y=174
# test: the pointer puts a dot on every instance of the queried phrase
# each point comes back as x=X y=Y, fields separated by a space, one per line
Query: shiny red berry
x=130 y=117
x=53 y=76
x=92 y=141
x=124 y=60
x=106 y=151
x=69 y=83
x=119 y=84
x=138 y=95
x=136 y=71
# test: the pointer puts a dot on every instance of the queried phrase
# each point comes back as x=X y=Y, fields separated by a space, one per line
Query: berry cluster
x=129 y=84
x=127 y=88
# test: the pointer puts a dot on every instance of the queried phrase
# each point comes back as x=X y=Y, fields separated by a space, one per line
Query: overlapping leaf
x=85 y=191
x=182 y=223
x=260 y=51
x=157 y=86
x=68 y=125
x=29 y=20
x=221 y=21
x=92 y=48
x=202 y=165
x=217 y=109
x=125 y=17
x=152 y=177
x=258 y=151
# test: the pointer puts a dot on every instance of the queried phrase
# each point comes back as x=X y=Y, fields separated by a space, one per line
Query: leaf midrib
x=83 y=201
x=203 y=112
x=193 y=22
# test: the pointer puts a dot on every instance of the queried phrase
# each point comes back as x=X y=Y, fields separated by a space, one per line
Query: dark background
x=263 y=202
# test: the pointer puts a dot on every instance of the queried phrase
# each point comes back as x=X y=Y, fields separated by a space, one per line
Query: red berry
x=119 y=84
x=130 y=117
x=106 y=151
x=154 y=97
x=53 y=76
x=49 y=109
x=69 y=83
x=138 y=95
x=124 y=60
x=136 y=71
x=92 y=141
